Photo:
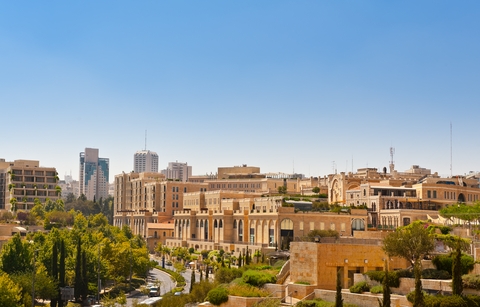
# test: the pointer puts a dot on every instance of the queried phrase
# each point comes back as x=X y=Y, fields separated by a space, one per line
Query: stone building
x=236 y=222
x=318 y=263
x=142 y=198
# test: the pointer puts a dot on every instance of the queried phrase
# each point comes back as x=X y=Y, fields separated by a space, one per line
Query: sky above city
x=288 y=86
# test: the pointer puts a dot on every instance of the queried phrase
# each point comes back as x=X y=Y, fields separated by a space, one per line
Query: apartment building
x=94 y=174
x=178 y=171
x=145 y=161
x=22 y=181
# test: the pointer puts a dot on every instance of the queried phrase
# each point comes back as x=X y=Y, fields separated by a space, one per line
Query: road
x=166 y=283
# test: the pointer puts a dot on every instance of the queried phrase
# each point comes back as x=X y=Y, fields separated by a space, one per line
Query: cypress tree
x=201 y=275
x=53 y=302
x=84 y=275
x=61 y=271
x=386 y=288
x=192 y=280
x=338 y=294
x=78 y=271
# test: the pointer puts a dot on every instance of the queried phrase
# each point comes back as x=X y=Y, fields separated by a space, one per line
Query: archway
x=461 y=198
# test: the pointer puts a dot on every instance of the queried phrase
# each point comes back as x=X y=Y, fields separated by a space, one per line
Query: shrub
x=217 y=296
x=445 y=301
x=302 y=283
x=258 y=278
x=360 y=287
x=200 y=290
x=471 y=281
x=445 y=262
x=394 y=277
x=226 y=275
x=376 y=289
x=246 y=290
x=435 y=274
x=279 y=264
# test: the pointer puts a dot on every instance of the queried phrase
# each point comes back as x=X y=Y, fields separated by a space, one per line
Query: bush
x=360 y=287
x=445 y=263
x=471 y=281
x=302 y=283
x=200 y=291
x=376 y=289
x=226 y=275
x=279 y=264
x=258 y=278
x=245 y=290
x=445 y=301
x=394 y=277
x=217 y=296
x=435 y=274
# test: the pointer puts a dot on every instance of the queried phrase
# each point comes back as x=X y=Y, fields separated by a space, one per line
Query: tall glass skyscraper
x=94 y=172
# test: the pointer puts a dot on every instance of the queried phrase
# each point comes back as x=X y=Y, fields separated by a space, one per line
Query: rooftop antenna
x=451 y=151
x=145 y=139
x=392 y=163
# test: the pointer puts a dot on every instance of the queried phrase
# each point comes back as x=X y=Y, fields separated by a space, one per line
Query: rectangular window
x=312 y=226
x=429 y=194
x=434 y=194
x=252 y=235
x=322 y=226
x=342 y=227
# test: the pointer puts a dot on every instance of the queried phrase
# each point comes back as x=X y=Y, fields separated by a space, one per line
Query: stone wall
x=361 y=300
x=238 y=301
x=300 y=291
x=275 y=290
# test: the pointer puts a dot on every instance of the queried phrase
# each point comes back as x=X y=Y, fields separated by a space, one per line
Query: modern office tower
x=178 y=171
x=93 y=174
x=23 y=181
x=145 y=161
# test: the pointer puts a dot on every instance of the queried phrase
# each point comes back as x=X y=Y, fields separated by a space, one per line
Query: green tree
x=10 y=292
x=338 y=294
x=386 y=301
x=413 y=243
x=282 y=189
x=192 y=281
x=316 y=190
x=16 y=256
x=457 y=244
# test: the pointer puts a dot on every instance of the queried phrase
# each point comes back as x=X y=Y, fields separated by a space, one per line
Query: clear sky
x=282 y=85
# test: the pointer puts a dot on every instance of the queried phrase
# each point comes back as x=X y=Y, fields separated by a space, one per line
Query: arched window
x=155 y=235
x=234 y=224
x=220 y=224
x=215 y=224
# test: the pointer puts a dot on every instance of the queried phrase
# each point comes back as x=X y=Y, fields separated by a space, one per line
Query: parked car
x=154 y=291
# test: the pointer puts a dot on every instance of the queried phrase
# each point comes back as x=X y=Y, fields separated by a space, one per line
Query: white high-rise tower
x=145 y=161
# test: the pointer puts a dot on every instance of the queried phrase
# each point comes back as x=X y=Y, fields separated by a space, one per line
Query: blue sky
x=283 y=85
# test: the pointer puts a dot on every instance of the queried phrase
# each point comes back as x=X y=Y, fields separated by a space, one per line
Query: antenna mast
x=392 y=163
x=451 y=151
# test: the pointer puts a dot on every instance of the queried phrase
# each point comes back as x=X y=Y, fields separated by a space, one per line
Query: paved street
x=166 y=283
